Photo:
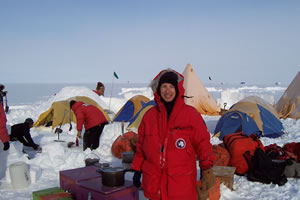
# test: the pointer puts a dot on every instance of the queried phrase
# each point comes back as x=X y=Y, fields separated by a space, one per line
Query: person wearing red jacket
x=172 y=135
x=93 y=121
x=4 y=137
x=99 y=89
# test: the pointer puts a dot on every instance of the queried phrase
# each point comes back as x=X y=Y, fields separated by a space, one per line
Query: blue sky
x=64 y=41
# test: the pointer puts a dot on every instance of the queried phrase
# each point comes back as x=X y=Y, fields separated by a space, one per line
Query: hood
x=77 y=105
x=155 y=81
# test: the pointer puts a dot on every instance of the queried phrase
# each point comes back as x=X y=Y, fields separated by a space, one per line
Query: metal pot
x=113 y=176
x=91 y=159
x=127 y=157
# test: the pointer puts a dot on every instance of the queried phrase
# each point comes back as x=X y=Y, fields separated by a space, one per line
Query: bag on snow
x=238 y=144
x=221 y=154
x=265 y=170
x=276 y=152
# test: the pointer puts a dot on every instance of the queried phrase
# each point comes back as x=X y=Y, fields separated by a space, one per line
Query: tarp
x=60 y=112
x=289 y=103
x=131 y=108
x=135 y=122
x=250 y=115
x=199 y=95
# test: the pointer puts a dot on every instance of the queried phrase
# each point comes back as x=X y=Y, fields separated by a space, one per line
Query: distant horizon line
x=109 y=83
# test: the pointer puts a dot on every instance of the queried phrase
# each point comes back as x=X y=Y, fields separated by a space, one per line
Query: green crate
x=37 y=194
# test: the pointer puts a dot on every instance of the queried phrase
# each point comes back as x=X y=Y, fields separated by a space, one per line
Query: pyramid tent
x=200 y=98
x=251 y=115
x=131 y=108
x=60 y=112
x=289 y=103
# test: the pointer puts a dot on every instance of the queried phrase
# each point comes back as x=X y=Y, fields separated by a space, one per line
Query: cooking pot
x=127 y=157
x=91 y=159
x=113 y=176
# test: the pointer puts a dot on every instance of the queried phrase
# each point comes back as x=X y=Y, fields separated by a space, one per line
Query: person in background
x=21 y=132
x=93 y=121
x=171 y=135
x=4 y=137
x=100 y=89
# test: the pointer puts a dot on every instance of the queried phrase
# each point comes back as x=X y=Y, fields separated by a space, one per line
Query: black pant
x=91 y=137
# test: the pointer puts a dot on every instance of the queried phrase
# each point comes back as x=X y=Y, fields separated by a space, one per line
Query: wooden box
x=93 y=189
x=226 y=175
x=69 y=179
x=57 y=196
x=36 y=195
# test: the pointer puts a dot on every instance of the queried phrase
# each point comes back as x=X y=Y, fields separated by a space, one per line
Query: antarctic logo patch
x=180 y=143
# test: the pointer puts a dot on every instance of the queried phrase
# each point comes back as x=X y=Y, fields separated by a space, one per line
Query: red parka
x=167 y=149
x=4 y=137
x=87 y=115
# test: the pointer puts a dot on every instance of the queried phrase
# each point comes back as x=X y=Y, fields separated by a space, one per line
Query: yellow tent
x=60 y=112
x=289 y=103
x=131 y=108
x=200 y=98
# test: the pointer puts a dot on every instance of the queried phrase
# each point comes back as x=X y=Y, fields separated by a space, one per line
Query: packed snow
x=56 y=156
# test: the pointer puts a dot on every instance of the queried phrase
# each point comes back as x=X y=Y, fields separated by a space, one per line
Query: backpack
x=276 y=152
x=264 y=170
x=238 y=144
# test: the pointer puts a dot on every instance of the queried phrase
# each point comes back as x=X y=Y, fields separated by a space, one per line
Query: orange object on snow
x=124 y=143
x=221 y=154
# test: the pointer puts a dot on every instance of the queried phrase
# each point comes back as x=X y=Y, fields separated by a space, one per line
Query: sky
x=77 y=41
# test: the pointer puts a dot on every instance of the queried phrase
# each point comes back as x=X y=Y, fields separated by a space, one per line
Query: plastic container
x=19 y=175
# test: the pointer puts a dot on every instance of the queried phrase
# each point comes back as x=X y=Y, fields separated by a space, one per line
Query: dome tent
x=250 y=115
x=60 y=112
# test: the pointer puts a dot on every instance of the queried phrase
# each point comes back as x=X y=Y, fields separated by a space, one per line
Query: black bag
x=264 y=170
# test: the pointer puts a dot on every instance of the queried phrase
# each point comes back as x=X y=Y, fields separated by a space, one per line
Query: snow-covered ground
x=56 y=156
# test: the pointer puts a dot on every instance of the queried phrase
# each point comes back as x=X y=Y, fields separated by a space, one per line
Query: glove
x=208 y=179
x=39 y=149
x=6 y=146
x=79 y=134
x=137 y=179
x=202 y=194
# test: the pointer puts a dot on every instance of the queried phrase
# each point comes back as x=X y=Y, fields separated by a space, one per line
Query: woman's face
x=167 y=92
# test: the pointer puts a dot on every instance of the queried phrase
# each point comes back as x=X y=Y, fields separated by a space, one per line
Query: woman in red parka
x=93 y=121
x=171 y=135
x=4 y=137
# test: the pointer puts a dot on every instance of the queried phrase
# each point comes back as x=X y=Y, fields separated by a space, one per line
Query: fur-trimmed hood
x=155 y=81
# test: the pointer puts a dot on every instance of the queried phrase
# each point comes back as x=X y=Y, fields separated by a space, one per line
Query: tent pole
x=112 y=85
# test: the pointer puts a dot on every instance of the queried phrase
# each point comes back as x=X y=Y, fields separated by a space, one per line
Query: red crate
x=69 y=179
x=94 y=189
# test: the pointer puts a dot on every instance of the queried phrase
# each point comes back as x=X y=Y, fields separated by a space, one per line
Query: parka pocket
x=181 y=180
x=151 y=178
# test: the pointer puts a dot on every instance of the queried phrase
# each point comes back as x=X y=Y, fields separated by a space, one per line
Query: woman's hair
x=99 y=85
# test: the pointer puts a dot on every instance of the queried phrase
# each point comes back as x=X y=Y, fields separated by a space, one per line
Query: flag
x=116 y=75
